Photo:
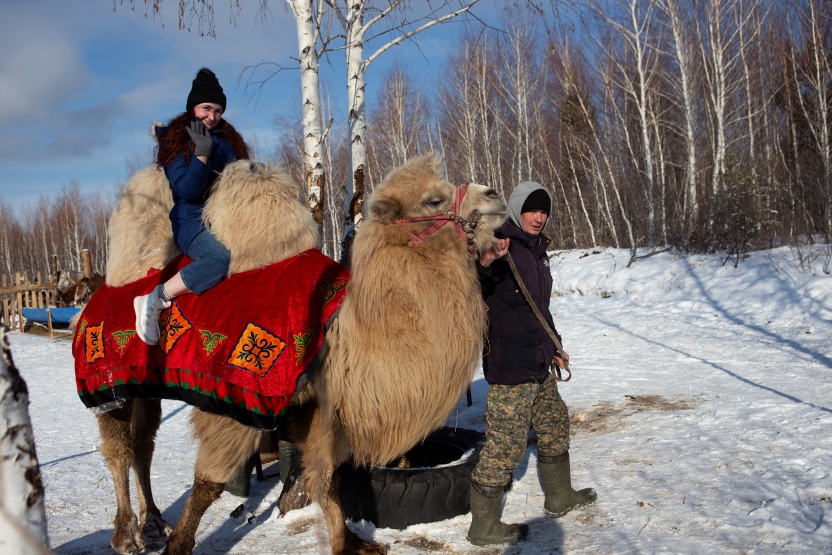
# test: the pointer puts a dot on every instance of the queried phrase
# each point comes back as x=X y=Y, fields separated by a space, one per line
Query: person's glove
x=201 y=138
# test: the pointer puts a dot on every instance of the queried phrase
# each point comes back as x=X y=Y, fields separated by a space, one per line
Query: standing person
x=194 y=147
x=522 y=389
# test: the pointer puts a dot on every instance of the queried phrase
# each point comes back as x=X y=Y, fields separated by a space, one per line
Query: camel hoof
x=354 y=545
x=127 y=537
x=178 y=546
x=155 y=527
x=128 y=542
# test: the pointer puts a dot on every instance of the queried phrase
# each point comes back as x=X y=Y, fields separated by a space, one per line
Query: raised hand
x=201 y=138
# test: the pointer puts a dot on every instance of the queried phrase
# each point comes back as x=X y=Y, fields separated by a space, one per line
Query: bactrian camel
x=401 y=350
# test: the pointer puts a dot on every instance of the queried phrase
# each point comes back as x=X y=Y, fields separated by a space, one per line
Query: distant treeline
x=699 y=124
x=62 y=225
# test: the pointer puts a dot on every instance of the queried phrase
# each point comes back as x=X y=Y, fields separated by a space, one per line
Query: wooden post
x=5 y=302
x=85 y=259
x=39 y=292
x=53 y=278
x=49 y=322
x=19 y=279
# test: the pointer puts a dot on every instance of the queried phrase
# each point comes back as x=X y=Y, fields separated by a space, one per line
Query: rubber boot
x=287 y=456
x=486 y=527
x=240 y=482
x=557 y=485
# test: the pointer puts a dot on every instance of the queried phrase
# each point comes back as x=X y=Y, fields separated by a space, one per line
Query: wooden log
x=87 y=261
x=23 y=287
x=49 y=322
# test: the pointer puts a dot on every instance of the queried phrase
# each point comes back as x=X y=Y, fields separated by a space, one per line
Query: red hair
x=175 y=140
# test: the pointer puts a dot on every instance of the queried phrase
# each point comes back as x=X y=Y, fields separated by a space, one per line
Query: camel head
x=417 y=190
x=256 y=211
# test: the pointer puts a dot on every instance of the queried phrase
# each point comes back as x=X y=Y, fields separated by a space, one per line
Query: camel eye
x=435 y=203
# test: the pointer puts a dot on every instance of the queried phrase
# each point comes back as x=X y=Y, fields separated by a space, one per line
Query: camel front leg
x=181 y=541
x=223 y=446
x=147 y=416
x=323 y=449
x=114 y=427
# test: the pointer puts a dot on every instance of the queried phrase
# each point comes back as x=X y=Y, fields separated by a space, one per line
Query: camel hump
x=258 y=212
x=140 y=233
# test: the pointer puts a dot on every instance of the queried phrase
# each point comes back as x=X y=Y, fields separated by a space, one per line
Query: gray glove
x=201 y=138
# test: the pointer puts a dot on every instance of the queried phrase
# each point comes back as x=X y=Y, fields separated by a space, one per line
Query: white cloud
x=42 y=82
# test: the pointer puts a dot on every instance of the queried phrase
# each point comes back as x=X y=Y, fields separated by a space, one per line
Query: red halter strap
x=440 y=220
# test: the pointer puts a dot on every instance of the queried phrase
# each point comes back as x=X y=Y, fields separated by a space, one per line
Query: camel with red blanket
x=403 y=336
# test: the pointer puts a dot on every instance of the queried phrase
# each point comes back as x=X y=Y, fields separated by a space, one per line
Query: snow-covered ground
x=701 y=407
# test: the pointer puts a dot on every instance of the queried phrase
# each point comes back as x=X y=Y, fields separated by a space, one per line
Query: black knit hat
x=537 y=200
x=206 y=88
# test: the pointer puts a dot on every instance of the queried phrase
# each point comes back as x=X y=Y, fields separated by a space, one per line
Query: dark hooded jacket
x=519 y=349
x=191 y=183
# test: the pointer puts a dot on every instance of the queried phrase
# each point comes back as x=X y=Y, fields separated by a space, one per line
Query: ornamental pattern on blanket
x=240 y=349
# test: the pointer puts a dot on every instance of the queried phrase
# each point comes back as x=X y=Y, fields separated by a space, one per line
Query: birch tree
x=719 y=28
x=307 y=20
x=812 y=70
x=520 y=86
x=633 y=73
x=70 y=223
x=8 y=220
x=399 y=123
x=358 y=32
x=468 y=113
x=22 y=512
x=685 y=83
x=573 y=130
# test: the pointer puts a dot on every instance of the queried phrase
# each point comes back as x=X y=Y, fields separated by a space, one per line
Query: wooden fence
x=24 y=291
x=17 y=292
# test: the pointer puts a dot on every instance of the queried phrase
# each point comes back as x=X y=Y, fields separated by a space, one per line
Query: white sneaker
x=148 y=308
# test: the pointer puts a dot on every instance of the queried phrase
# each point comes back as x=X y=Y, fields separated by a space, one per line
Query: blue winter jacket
x=191 y=183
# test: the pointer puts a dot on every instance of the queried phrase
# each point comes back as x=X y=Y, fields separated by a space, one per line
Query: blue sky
x=80 y=84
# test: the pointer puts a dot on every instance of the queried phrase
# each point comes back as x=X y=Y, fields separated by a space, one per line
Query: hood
x=157 y=129
x=519 y=196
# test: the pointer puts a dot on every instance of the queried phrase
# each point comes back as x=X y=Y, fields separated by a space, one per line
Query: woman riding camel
x=194 y=147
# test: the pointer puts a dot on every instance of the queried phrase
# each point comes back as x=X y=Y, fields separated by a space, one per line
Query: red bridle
x=451 y=216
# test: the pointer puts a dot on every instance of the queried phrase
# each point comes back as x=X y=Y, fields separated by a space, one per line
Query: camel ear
x=385 y=209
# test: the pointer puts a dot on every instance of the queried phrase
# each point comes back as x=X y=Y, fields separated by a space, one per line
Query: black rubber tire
x=435 y=488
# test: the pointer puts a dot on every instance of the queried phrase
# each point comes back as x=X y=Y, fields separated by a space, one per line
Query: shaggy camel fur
x=402 y=349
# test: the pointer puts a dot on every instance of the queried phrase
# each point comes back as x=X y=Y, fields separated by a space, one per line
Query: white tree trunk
x=686 y=85
x=522 y=81
x=357 y=117
x=313 y=154
x=817 y=74
x=350 y=13
x=720 y=57
x=22 y=513
x=635 y=83
x=580 y=198
x=641 y=48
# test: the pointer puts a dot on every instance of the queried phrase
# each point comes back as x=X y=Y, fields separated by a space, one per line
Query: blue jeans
x=210 y=265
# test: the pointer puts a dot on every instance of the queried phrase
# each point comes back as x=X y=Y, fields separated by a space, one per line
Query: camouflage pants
x=510 y=410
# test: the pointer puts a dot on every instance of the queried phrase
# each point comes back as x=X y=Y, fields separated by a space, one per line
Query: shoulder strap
x=543 y=321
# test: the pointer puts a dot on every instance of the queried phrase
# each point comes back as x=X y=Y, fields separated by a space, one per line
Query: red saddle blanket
x=240 y=349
